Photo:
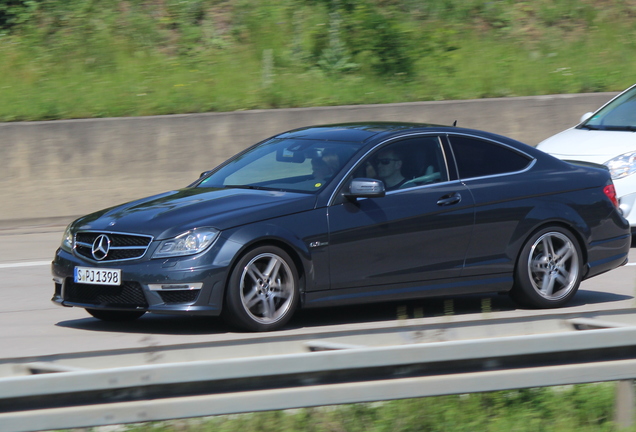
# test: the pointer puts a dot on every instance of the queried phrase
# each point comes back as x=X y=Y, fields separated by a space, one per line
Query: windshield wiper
x=622 y=128
x=590 y=127
x=609 y=128
x=251 y=187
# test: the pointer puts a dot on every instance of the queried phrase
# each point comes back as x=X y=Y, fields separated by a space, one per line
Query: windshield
x=620 y=114
x=296 y=165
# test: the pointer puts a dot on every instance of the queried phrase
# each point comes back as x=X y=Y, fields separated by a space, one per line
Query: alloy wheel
x=553 y=265
x=267 y=288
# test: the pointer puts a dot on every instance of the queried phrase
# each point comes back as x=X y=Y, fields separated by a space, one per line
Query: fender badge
x=317 y=244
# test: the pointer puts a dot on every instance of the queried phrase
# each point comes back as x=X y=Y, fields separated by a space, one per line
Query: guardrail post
x=624 y=405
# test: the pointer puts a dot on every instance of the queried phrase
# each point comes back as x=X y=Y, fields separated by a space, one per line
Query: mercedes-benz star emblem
x=101 y=246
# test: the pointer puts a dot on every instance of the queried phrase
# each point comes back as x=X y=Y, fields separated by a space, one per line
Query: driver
x=388 y=167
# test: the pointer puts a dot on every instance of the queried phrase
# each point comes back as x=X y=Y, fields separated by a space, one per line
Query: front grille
x=182 y=296
x=121 y=247
x=127 y=295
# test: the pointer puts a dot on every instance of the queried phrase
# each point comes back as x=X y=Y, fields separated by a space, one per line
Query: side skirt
x=459 y=286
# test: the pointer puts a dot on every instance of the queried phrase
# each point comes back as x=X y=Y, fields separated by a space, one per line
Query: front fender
x=304 y=236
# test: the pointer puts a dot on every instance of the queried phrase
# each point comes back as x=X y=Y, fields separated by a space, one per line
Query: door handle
x=450 y=199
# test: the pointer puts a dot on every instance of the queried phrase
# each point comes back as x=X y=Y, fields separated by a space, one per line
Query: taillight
x=610 y=191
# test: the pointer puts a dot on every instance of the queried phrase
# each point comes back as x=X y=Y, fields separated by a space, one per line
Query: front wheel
x=262 y=293
x=549 y=269
x=115 y=315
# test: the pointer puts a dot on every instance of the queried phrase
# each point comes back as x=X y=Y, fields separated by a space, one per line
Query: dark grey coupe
x=350 y=213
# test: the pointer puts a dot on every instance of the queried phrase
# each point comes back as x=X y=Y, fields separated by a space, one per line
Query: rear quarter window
x=479 y=158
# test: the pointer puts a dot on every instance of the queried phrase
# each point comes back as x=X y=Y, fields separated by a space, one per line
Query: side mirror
x=586 y=116
x=365 y=188
x=204 y=173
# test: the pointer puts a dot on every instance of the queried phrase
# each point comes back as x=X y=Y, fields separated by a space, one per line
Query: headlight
x=67 y=240
x=623 y=165
x=188 y=243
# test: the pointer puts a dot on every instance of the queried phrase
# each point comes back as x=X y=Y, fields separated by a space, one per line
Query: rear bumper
x=607 y=254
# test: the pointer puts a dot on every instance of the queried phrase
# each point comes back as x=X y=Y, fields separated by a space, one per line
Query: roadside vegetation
x=90 y=58
x=580 y=408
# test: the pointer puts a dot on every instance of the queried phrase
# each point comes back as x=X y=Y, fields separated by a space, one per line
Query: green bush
x=377 y=37
x=15 y=12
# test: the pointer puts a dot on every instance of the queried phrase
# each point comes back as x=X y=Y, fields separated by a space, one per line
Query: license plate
x=97 y=276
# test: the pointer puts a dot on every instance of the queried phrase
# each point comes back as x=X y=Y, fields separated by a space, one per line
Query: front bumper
x=627 y=204
x=187 y=285
x=626 y=191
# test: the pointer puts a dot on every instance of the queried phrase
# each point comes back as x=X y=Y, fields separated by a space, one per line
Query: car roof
x=352 y=132
x=363 y=131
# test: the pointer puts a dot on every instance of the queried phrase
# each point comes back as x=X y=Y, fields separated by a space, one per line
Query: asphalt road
x=33 y=326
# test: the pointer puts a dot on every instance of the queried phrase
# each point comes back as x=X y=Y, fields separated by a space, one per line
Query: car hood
x=172 y=213
x=589 y=145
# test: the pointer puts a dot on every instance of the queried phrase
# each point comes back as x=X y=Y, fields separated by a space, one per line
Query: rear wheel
x=549 y=269
x=113 y=315
x=262 y=293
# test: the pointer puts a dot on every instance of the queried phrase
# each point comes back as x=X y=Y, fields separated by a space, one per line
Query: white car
x=608 y=137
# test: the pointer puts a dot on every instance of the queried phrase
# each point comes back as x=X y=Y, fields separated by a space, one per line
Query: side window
x=407 y=163
x=477 y=158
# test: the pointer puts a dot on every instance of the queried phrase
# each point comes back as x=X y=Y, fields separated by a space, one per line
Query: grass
x=131 y=58
x=578 y=408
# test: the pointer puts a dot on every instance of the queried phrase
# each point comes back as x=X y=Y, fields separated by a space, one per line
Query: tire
x=549 y=269
x=262 y=293
x=115 y=315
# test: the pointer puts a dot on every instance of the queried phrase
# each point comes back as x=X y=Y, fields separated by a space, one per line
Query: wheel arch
x=256 y=317
x=279 y=243
x=578 y=236
x=552 y=211
x=562 y=280
x=284 y=240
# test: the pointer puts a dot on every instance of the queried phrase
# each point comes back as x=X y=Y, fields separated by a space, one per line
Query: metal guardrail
x=382 y=334
x=339 y=375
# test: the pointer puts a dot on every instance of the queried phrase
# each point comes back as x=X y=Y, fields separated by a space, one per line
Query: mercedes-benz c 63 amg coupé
x=345 y=214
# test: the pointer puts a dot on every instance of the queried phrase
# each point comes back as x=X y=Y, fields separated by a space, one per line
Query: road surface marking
x=25 y=264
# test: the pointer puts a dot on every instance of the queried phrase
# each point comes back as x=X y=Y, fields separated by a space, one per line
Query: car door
x=497 y=178
x=417 y=233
